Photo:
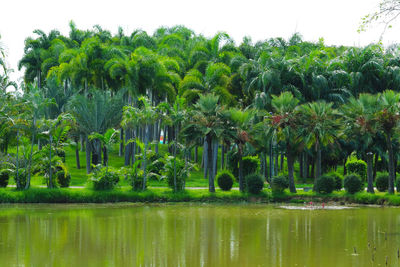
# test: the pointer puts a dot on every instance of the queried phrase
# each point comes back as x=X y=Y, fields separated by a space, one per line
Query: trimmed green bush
x=324 y=184
x=225 y=180
x=63 y=179
x=104 y=180
x=4 y=177
x=338 y=180
x=352 y=183
x=357 y=166
x=250 y=165
x=254 y=183
x=279 y=183
x=382 y=181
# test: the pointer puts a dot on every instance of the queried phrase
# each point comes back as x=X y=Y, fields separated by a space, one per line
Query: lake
x=197 y=235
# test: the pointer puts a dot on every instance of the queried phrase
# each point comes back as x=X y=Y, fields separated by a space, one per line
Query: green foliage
x=232 y=161
x=338 y=180
x=254 y=183
x=357 y=166
x=4 y=177
x=382 y=181
x=225 y=180
x=155 y=165
x=63 y=178
x=250 y=165
x=137 y=180
x=352 y=183
x=22 y=179
x=397 y=183
x=103 y=179
x=324 y=184
x=279 y=183
x=182 y=172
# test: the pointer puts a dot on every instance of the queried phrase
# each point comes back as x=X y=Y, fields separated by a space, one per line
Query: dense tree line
x=307 y=102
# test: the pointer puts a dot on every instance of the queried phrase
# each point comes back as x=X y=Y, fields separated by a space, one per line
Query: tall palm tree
x=389 y=121
x=240 y=123
x=359 y=117
x=205 y=122
x=319 y=126
x=95 y=113
x=284 y=123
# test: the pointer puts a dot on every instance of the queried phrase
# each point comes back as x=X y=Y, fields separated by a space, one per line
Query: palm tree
x=388 y=121
x=240 y=123
x=359 y=117
x=36 y=104
x=205 y=122
x=143 y=116
x=95 y=114
x=319 y=126
x=107 y=139
x=284 y=123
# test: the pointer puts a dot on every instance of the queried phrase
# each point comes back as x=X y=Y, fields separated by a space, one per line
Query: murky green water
x=196 y=235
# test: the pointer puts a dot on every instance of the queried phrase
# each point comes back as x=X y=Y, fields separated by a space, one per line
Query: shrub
x=254 y=183
x=250 y=165
x=324 y=184
x=22 y=177
x=279 y=183
x=104 y=180
x=352 y=183
x=225 y=180
x=382 y=181
x=397 y=185
x=63 y=178
x=137 y=180
x=4 y=177
x=155 y=164
x=357 y=166
x=182 y=172
x=338 y=180
x=61 y=153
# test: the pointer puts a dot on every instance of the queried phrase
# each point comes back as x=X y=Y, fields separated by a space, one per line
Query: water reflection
x=196 y=235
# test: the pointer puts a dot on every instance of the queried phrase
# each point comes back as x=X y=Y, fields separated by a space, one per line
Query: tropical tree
x=240 y=124
x=284 y=123
x=107 y=139
x=319 y=126
x=360 y=120
x=205 y=121
x=388 y=122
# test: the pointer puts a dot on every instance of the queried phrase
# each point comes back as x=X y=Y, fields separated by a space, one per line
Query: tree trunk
x=392 y=173
x=344 y=166
x=318 y=165
x=196 y=154
x=376 y=165
x=121 y=143
x=50 y=170
x=17 y=164
x=78 y=163
x=370 y=178
x=282 y=161
x=222 y=157
x=88 y=151
x=28 y=182
x=301 y=165
x=215 y=158
x=175 y=145
x=205 y=157
x=290 y=165
x=271 y=162
x=127 y=147
x=105 y=156
x=146 y=138
x=211 y=185
x=241 y=178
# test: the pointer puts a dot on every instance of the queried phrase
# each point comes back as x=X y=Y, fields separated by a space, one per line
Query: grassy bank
x=84 y=195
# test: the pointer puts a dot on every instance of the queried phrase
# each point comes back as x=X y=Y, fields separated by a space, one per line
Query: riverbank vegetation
x=174 y=109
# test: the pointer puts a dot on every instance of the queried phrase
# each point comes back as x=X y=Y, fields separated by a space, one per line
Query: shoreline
x=161 y=195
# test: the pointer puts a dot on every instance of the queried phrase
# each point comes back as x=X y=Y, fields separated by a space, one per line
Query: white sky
x=336 y=20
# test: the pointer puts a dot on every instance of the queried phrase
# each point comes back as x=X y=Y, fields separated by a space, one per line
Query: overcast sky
x=336 y=20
